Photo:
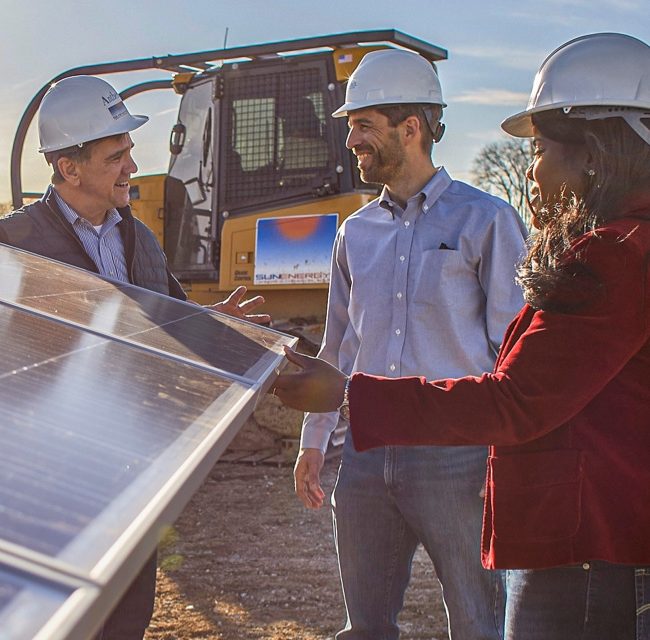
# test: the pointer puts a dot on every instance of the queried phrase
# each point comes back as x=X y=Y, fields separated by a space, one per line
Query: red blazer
x=566 y=412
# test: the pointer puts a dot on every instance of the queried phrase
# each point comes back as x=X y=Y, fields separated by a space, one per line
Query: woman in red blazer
x=566 y=411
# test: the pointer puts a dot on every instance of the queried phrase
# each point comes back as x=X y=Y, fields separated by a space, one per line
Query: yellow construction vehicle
x=259 y=175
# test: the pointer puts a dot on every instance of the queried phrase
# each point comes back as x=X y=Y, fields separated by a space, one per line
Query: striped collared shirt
x=103 y=244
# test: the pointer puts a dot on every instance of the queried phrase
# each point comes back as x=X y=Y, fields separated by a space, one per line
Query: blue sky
x=494 y=50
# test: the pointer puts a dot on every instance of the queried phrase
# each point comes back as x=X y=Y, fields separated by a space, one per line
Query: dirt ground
x=246 y=561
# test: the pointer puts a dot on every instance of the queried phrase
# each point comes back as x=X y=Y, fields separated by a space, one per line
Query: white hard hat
x=79 y=109
x=597 y=76
x=391 y=76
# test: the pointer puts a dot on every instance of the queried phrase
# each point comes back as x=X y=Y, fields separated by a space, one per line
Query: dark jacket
x=42 y=229
x=567 y=412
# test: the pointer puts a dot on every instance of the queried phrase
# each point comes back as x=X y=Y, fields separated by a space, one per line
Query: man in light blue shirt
x=422 y=284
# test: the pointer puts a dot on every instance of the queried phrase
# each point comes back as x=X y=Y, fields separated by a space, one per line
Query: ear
x=69 y=170
x=411 y=128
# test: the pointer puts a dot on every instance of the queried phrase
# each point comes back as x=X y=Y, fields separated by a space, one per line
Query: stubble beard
x=386 y=163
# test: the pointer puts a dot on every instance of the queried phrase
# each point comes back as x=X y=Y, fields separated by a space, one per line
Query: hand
x=317 y=387
x=306 y=475
x=233 y=306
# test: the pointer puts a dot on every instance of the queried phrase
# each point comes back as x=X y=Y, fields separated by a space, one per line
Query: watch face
x=344 y=412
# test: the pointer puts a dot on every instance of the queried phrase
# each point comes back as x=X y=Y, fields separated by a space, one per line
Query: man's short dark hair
x=76 y=153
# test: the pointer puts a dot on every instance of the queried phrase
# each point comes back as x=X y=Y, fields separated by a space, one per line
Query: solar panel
x=137 y=315
x=28 y=602
x=114 y=404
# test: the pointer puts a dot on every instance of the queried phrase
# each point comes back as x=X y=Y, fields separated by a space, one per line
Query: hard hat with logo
x=597 y=76
x=391 y=76
x=79 y=109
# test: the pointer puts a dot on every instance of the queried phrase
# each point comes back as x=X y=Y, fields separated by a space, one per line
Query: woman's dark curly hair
x=621 y=161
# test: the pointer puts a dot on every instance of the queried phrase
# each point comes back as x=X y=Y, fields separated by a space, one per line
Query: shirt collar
x=112 y=215
x=428 y=195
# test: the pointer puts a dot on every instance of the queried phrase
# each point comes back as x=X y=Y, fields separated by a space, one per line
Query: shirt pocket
x=537 y=496
x=440 y=277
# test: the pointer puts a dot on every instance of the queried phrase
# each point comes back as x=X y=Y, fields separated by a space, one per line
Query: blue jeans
x=385 y=502
x=642 y=603
x=594 y=601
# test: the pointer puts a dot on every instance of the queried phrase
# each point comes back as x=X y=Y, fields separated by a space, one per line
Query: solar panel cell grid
x=76 y=431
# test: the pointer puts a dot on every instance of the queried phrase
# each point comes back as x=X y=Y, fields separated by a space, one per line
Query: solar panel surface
x=114 y=403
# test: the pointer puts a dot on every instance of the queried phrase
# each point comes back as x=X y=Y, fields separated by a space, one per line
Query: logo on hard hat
x=118 y=110
x=111 y=97
x=352 y=84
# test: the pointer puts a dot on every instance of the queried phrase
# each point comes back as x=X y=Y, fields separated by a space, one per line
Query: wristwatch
x=344 y=409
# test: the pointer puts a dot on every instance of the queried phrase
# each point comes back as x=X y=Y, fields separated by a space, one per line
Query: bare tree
x=500 y=169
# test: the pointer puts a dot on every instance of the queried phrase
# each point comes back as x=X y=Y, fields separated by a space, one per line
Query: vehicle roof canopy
x=203 y=61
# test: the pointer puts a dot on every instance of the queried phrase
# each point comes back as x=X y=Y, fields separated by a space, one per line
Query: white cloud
x=528 y=59
x=165 y=112
x=587 y=14
x=603 y=5
x=487 y=136
x=25 y=85
x=630 y=5
x=498 y=97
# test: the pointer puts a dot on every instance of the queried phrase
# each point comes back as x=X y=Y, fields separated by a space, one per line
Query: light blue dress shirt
x=428 y=290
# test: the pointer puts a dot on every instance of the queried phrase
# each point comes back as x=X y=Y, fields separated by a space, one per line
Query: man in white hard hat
x=422 y=284
x=84 y=220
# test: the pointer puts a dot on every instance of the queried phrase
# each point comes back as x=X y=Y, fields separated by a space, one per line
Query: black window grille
x=276 y=135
